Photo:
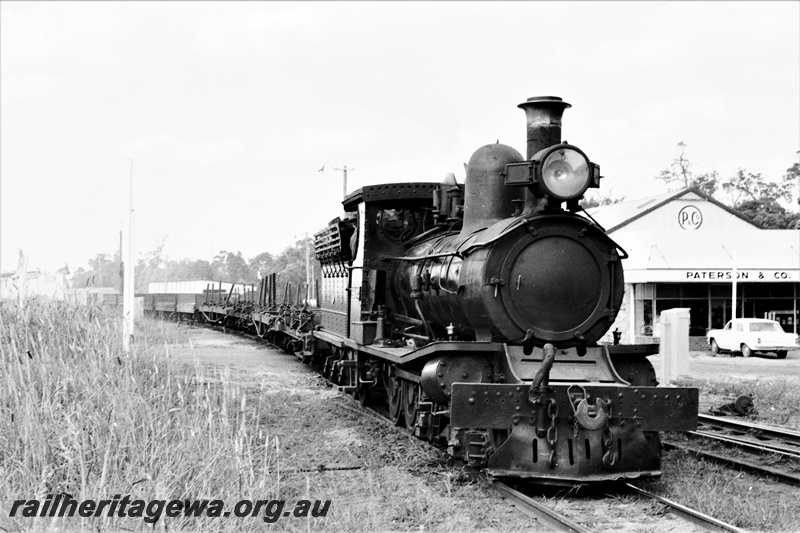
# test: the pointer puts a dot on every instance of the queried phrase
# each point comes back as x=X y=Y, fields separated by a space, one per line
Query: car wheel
x=746 y=351
x=781 y=354
x=714 y=347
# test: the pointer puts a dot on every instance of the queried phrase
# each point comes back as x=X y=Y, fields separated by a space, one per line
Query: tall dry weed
x=77 y=415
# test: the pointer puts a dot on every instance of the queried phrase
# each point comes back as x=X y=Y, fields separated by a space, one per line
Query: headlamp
x=565 y=173
x=561 y=171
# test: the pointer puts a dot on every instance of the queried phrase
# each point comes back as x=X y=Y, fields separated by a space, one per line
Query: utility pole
x=121 y=269
x=733 y=285
x=127 y=299
x=308 y=272
x=166 y=261
x=344 y=170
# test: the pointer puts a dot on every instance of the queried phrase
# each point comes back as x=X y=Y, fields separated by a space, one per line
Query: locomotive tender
x=471 y=315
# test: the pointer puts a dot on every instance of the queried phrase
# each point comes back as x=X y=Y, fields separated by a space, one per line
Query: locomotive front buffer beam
x=573 y=431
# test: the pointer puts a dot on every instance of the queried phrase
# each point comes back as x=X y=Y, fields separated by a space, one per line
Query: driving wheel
x=394 y=398
x=410 y=397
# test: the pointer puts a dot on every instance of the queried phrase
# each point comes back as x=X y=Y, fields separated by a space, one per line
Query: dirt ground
x=249 y=363
x=379 y=477
x=382 y=478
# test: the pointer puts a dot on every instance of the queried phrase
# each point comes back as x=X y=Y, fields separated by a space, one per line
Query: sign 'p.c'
x=690 y=218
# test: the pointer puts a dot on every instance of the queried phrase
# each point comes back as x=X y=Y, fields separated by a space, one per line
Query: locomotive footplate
x=574 y=431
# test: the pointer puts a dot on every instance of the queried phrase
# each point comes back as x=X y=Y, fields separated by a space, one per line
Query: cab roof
x=390 y=192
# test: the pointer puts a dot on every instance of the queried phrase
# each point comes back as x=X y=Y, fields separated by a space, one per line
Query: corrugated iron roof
x=614 y=216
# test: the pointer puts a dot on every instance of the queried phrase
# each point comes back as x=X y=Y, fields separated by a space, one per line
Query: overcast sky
x=228 y=110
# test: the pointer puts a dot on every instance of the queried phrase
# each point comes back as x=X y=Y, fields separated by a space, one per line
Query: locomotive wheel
x=394 y=398
x=409 y=401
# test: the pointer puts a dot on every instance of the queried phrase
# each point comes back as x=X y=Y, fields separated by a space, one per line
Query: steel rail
x=747 y=444
x=738 y=462
x=531 y=507
x=770 y=432
x=696 y=517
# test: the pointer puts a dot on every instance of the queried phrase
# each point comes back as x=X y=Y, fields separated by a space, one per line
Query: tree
x=791 y=180
x=759 y=199
x=103 y=271
x=600 y=199
x=746 y=186
x=263 y=264
x=190 y=269
x=148 y=268
x=706 y=183
x=679 y=171
x=231 y=266
x=769 y=214
x=290 y=265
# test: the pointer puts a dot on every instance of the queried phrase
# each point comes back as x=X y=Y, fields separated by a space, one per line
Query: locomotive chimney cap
x=545 y=100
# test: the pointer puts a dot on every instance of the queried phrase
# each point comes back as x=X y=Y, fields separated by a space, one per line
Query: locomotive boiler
x=472 y=314
x=544 y=275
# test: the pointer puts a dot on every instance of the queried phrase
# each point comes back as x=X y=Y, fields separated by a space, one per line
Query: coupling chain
x=610 y=457
x=573 y=402
x=552 y=430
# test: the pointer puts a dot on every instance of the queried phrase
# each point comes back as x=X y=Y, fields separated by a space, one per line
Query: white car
x=750 y=335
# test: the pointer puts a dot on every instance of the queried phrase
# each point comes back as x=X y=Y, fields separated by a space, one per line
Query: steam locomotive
x=471 y=315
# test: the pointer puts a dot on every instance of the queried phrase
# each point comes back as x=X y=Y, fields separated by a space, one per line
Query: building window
x=693 y=296
x=647 y=318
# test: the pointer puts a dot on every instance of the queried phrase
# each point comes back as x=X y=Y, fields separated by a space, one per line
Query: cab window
x=398 y=225
x=738 y=327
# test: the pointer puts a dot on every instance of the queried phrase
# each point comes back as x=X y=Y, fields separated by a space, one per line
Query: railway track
x=547 y=514
x=563 y=520
x=749 y=435
x=765 y=450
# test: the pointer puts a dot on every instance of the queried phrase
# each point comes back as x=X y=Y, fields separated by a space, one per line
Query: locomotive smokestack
x=543 y=114
x=544 y=121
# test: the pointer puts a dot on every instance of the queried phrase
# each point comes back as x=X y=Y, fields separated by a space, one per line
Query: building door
x=720 y=313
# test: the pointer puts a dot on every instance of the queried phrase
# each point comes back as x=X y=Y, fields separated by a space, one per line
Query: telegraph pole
x=127 y=298
x=121 y=269
x=344 y=170
x=733 y=285
x=309 y=288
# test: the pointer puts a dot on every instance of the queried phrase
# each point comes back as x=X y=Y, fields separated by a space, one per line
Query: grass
x=744 y=500
x=78 y=415
x=777 y=401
